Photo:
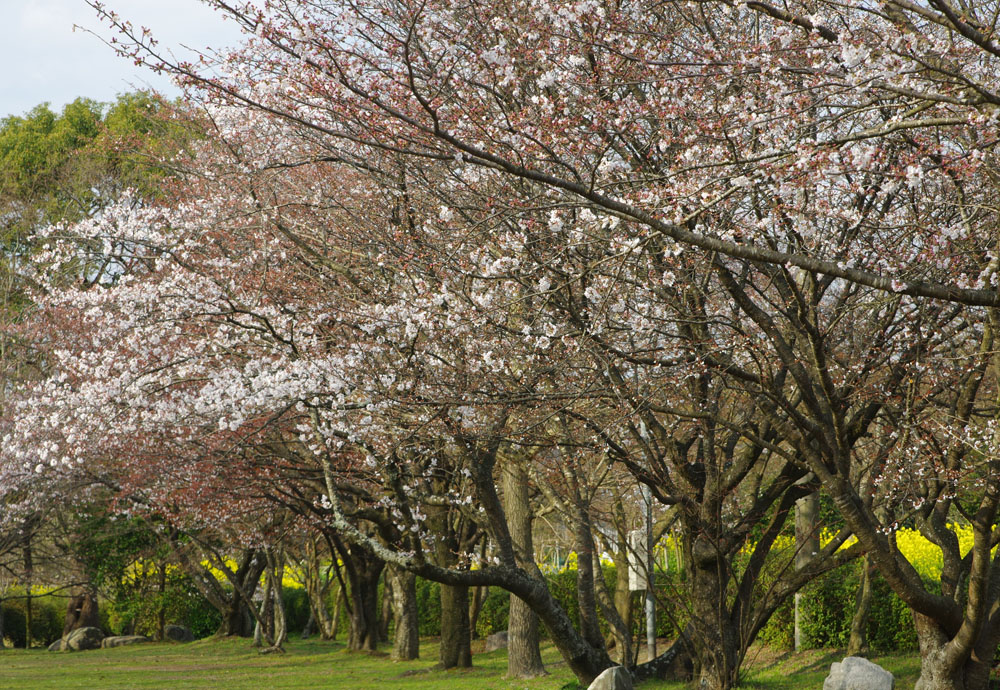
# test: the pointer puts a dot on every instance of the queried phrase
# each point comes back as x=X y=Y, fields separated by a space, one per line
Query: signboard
x=637 y=578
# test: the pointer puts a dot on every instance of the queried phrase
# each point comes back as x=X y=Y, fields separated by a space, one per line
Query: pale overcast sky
x=43 y=59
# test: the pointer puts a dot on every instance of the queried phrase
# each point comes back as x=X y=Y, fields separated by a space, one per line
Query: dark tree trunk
x=161 y=613
x=715 y=636
x=857 y=645
x=589 y=626
x=524 y=660
x=456 y=648
x=479 y=594
x=456 y=635
x=236 y=621
x=27 y=589
x=363 y=570
x=81 y=612
x=406 y=635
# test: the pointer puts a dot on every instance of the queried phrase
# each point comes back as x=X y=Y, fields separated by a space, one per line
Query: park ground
x=232 y=664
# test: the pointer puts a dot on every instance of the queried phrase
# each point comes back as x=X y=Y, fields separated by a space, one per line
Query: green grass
x=232 y=664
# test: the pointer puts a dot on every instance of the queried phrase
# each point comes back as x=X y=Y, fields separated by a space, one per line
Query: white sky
x=43 y=59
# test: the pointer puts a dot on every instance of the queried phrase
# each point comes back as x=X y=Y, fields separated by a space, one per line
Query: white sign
x=637 y=578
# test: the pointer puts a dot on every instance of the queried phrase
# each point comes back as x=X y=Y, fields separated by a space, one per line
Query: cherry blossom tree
x=714 y=242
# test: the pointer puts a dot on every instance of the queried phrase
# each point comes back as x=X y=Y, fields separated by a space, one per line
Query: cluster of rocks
x=853 y=673
x=91 y=637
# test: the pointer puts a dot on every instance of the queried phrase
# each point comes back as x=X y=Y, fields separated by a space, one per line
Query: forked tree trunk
x=524 y=660
x=944 y=667
x=406 y=634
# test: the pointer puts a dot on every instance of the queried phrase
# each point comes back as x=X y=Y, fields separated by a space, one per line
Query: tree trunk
x=590 y=628
x=338 y=606
x=456 y=648
x=479 y=595
x=161 y=612
x=715 y=636
x=27 y=591
x=307 y=629
x=316 y=591
x=806 y=544
x=385 y=610
x=939 y=669
x=857 y=645
x=406 y=635
x=236 y=617
x=456 y=638
x=524 y=660
x=364 y=570
x=279 y=633
x=622 y=595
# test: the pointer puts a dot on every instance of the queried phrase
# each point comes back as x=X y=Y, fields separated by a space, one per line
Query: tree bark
x=406 y=634
x=806 y=544
x=456 y=638
x=524 y=660
x=363 y=571
x=456 y=649
x=717 y=644
x=857 y=644
x=386 y=609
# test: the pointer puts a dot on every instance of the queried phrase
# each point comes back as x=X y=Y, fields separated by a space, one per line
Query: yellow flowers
x=923 y=554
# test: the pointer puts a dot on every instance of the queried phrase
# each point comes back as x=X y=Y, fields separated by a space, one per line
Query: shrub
x=48 y=614
x=494 y=614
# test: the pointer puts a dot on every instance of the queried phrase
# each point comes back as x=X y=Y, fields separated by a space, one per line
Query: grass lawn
x=231 y=664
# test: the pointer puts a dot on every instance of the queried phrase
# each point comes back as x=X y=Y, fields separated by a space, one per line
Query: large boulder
x=614 y=678
x=58 y=646
x=84 y=638
x=855 y=673
x=497 y=640
x=178 y=633
x=122 y=640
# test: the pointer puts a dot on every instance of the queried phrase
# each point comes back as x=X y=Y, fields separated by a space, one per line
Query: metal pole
x=650 y=600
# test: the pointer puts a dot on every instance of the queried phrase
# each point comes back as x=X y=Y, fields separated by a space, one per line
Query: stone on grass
x=497 y=640
x=178 y=633
x=614 y=678
x=122 y=640
x=84 y=638
x=58 y=645
x=855 y=673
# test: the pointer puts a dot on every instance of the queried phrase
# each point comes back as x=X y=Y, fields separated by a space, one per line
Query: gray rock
x=497 y=640
x=614 y=678
x=178 y=633
x=57 y=646
x=855 y=673
x=122 y=640
x=84 y=638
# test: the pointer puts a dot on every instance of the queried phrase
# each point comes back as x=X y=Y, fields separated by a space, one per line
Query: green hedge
x=48 y=615
x=828 y=608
